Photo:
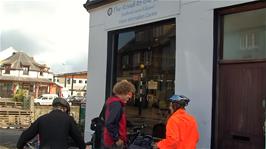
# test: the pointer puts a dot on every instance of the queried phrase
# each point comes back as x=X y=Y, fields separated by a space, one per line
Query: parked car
x=76 y=100
x=45 y=99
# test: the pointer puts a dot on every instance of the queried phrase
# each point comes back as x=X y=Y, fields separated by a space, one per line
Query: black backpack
x=98 y=121
x=97 y=125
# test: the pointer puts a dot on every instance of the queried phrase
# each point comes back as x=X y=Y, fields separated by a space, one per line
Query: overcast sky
x=54 y=32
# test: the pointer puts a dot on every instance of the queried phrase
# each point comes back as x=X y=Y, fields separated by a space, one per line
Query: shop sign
x=129 y=12
x=152 y=85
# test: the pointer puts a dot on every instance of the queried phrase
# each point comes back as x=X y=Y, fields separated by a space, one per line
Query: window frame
x=7 y=69
x=25 y=70
x=219 y=18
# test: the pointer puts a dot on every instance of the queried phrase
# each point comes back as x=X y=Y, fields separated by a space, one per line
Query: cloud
x=53 y=32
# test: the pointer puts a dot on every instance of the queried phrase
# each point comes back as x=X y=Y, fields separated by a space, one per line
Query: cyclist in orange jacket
x=181 y=128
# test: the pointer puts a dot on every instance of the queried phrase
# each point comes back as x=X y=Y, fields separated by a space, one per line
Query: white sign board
x=132 y=12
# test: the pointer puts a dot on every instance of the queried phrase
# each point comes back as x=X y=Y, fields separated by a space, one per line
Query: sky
x=54 y=32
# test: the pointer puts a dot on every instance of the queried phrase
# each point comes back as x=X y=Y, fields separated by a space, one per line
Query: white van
x=45 y=99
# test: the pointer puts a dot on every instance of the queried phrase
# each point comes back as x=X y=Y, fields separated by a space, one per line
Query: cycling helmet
x=180 y=99
x=60 y=102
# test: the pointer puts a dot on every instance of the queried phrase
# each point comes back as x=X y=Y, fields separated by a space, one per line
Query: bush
x=20 y=95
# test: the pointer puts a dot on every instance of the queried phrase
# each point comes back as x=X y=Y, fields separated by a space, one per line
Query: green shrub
x=20 y=95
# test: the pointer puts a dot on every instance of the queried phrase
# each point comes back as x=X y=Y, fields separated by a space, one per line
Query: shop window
x=125 y=38
x=145 y=55
x=245 y=35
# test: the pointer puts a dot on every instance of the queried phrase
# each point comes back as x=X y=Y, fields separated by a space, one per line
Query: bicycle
x=139 y=140
x=33 y=144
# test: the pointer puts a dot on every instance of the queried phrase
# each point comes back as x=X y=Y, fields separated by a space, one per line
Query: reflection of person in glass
x=181 y=129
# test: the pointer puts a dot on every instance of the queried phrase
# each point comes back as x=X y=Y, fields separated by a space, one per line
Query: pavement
x=9 y=138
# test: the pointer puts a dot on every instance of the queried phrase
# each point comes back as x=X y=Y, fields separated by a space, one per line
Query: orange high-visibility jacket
x=181 y=132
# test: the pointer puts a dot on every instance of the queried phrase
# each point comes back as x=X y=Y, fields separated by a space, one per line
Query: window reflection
x=146 y=57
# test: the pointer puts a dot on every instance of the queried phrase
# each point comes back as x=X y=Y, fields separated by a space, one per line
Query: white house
x=74 y=83
x=22 y=71
x=213 y=52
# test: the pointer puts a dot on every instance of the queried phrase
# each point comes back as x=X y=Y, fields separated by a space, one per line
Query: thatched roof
x=20 y=59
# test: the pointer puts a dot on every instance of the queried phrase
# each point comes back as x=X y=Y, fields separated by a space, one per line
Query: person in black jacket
x=53 y=129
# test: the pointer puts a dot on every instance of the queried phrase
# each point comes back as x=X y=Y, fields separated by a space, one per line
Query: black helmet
x=60 y=102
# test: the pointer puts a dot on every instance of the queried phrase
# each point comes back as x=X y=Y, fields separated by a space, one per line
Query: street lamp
x=141 y=89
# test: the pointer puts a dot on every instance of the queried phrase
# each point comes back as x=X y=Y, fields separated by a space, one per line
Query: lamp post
x=141 y=89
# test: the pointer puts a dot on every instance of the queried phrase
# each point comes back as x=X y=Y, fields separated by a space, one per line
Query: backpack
x=97 y=125
x=98 y=121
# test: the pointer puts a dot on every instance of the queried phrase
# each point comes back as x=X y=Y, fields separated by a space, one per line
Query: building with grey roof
x=20 y=71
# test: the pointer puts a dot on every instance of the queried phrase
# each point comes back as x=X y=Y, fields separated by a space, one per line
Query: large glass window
x=145 y=55
x=245 y=35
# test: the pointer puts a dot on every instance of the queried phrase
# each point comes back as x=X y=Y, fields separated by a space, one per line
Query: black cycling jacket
x=53 y=129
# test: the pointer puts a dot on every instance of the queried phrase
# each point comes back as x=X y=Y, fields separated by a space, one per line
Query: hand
x=119 y=142
x=154 y=146
x=88 y=147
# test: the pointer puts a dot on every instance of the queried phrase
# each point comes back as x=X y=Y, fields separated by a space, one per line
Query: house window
x=7 y=69
x=85 y=82
x=74 y=81
x=25 y=70
x=68 y=81
x=244 y=35
x=41 y=73
x=80 y=81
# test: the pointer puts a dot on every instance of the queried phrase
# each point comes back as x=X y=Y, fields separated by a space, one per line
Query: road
x=9 y=138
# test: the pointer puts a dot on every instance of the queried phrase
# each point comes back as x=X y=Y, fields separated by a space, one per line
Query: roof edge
x=89 y=5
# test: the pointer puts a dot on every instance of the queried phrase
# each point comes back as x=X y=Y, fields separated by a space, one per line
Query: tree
x=20 y=95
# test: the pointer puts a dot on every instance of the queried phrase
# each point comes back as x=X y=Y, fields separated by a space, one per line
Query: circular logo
x=109 y=11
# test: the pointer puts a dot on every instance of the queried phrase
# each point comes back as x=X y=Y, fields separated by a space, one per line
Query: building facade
x=20 y=71
x=74 y=84
x=213 y=52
